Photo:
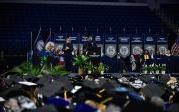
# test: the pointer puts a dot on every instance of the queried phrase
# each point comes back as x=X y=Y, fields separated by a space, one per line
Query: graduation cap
x=45 y=80
x=14 y=79
x=27 y=86
x=153 y=90
x=58 y=102
x=95 y=90
x=12 y=92
x=2 y=99
x=30 y=78
x=66 y=83
x=84 y=108
x=52 y=89
x=134 y=96
x=164 y=79
x=142 y=106
x=121 y=89
x=45 y=108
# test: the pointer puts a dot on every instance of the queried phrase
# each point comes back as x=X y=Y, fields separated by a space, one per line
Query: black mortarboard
x=46 y=108
x=52 y=89
x=145 y=78
x=66 y=83
x=45 y=80
x=84 y=108
x=143 y=106
x=94 y=90
x=134 y=96
x=31 y=78
x=164 y=79
x=2 y=99
x=12 y=92
x=153 y=90
x=14 y=79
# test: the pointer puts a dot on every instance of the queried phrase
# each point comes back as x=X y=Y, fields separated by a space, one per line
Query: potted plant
x=163 y=69
x=81 y=62
x=90 y=68
x=145 y=69
x=101 y=68
x=27 y=68
x=157 y=69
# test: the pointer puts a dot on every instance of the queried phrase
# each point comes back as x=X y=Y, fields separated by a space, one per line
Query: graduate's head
x=90 y=38
x=68 y=40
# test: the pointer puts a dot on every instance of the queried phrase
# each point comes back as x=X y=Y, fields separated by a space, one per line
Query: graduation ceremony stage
x=89 y=56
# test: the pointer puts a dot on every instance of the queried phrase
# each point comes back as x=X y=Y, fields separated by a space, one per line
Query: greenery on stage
x=154 y=68
x=85 y=65
x=27 y=68
x=81 y=61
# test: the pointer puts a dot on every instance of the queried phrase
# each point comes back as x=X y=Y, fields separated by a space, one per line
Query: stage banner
x=137 y=44
x=162 y=48
x=150 y=47
x=74 y=39
x=162 y=44
x=124 y=50
x=136 y=40
x=136 y=49
x=82 y=40
x=162 y=40
x=124 y=46
x=149 y=43
x=110 y=45
x=60 y=40
x=99 y=40
x=149 y=40
x=110 y=50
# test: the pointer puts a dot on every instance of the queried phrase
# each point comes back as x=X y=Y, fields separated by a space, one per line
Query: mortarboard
x=134 y=96
x=2 y=99
x=84 y=108
x=45 y=108
x=153 y=90
x=52 y=89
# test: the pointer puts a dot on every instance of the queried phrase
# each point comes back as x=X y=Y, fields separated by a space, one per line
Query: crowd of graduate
x=108 y=93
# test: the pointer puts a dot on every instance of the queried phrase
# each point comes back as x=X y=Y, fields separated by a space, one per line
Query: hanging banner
x=110 y=50
x=124 y=40
x=162 y=44
x=110 y=46
x=74 y=40
x=137 y=42
x=124 y=50
x=162 y=40
x=136 y=39
x=136 y=49
x=149 y=40
x=162 y=48
x=60 y=40
x=83 y=39
x=99 y=42
x=124 y=46
x=150 y=47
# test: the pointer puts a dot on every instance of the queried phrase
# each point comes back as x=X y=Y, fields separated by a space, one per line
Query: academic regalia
x=89 y=47
x=68 y=55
